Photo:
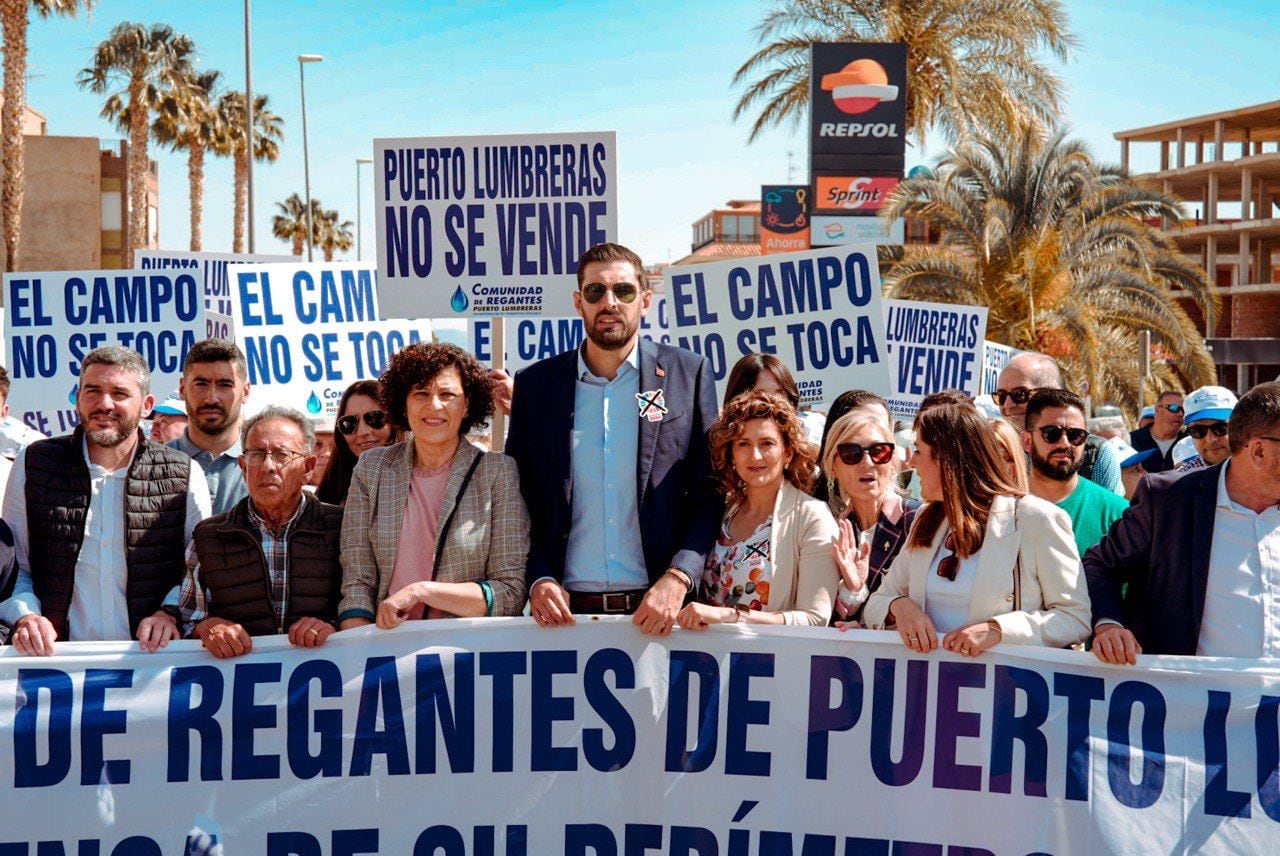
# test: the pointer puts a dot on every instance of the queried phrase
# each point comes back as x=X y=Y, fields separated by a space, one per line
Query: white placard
x=819 y=311
x=995 y=358
x=490 y=225
x=54 y=319
x=217 y=290
x=932 y=347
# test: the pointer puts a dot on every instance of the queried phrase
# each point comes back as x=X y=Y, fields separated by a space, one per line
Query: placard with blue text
x=932 y=347
x=55 y=318
x=217 y=287
x=490 y=225
x=819 y=311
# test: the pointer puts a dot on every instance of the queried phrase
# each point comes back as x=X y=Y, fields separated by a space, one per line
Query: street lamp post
x=359 y=234
x=303 y=59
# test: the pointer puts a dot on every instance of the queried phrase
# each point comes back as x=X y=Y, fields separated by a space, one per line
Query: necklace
x=433 y=471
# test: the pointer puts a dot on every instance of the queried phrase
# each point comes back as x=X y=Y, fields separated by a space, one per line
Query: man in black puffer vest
x=101 y=518
x=269 y=565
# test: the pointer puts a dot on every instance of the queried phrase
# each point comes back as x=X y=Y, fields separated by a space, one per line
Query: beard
x=1057 y=470
x=615 y=338
x=109 y=438
x=228 y=417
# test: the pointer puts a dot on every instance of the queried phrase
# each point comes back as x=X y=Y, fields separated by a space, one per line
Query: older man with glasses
x=1208 y=410
x=269 y=565
x=1163 y=434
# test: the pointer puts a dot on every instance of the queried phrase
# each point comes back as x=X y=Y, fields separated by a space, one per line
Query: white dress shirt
x=99 y=611
x=1241 y=610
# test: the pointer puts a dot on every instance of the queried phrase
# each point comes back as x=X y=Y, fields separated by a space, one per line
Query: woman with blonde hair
x=775 y=561
x=985 y=563
x=1014 y=455
x=860 y=468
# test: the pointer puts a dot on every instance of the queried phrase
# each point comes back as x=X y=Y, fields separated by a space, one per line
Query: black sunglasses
x=1053 y=433
x=1199 y=432
x=1172 y=408
x=623 y=292
x=375 y=419
x=949 y=566
x=851 y=453
x=1021 y=395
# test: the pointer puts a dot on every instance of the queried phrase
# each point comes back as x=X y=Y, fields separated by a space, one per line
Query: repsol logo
x=883 y=130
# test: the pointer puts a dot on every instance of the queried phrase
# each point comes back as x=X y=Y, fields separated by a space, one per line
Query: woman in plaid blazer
x=434 y=527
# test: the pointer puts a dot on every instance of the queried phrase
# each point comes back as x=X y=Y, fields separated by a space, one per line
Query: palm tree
x=291 y=223
x=194 y=126
x=14 y=18
x=970 y=63
x=1061 y=251
x=332 y=234
x=268 y=131
x=144 y=66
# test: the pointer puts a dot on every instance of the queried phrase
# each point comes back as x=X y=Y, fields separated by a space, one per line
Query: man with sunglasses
x=615 y=468
x=1193 y=567
x=1163 y=434
x=1207 y=411
x=1055 y=438
x=1019 y=379
x=214 y=386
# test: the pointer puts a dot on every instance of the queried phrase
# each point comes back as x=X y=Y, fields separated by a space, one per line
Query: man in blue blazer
x=1197 y=554
x=615 y=467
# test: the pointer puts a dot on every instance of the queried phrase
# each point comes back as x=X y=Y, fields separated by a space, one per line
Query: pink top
x=417 y=551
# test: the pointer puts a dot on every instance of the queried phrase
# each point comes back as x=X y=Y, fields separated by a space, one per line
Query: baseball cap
x=172 y=405
x=1209 y=402
x=1184 y=450
x=1126 y=454
x=1148 y=412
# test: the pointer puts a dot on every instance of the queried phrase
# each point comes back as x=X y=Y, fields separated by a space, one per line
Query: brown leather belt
x=605 y=603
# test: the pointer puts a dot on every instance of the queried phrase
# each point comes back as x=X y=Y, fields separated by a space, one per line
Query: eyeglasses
x=1053 y=433
x=1199 y=432
x=950 y=565
x=1172 y=408
x=851 y=453
x=279 y=457
x=623 y=292
x=375 y=419
x=1021 y=395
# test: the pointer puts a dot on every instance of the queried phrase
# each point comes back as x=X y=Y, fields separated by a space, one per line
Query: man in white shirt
x=101 y=519
x=1199 y=553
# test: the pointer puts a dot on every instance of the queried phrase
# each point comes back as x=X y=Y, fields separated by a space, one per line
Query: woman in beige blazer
x=775 y=561
x=433 y=527
x=984 y=564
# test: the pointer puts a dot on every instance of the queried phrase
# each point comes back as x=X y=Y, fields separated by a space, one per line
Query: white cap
x=1183 y=451
x=171 y=405
x=1209 y=402
x=1126 y=454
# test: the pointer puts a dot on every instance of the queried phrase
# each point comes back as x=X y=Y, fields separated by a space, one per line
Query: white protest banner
x=819 y=311
x=219 y=326
x=932 y=347
x=217 y=289
x=495 y=736
x=309 y=331
x=490 y=225
x=54 y=319
x=995 y=358
x=533 y=339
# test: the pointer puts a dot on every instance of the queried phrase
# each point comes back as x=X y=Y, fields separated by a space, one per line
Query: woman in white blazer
x=775 y=561
x=984 y=564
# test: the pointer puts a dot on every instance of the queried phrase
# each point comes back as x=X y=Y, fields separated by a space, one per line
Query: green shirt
x=1092 y=510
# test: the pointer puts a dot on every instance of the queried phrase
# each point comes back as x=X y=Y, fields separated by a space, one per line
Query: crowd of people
x=627 y=488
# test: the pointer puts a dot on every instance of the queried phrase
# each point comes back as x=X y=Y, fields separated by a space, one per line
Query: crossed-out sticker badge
x=652 y=405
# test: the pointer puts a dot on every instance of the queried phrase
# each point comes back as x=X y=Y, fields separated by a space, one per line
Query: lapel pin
x=660 y=371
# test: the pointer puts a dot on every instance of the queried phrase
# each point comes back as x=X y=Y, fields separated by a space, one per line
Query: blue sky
x=658 y=73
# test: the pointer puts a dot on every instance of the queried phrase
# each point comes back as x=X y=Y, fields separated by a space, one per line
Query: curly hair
x=417 y=365
x=728 y=428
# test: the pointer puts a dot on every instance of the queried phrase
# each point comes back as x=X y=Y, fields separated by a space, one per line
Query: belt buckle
x=621 y=597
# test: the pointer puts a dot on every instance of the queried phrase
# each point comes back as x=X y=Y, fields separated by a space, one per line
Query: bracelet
x=852 y=599
x=488 y=597
x=684 y=578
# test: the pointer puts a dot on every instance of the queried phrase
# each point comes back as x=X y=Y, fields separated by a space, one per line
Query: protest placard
x=217 y=289
x=819 y=311
x=490 y=225
x=533 y=339
x=309 y=331
x=605 y=742
x=55 y=318
x=932 y=347
x=995 y=357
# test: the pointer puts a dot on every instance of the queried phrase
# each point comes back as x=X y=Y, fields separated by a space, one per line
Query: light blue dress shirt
x=604 y=551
